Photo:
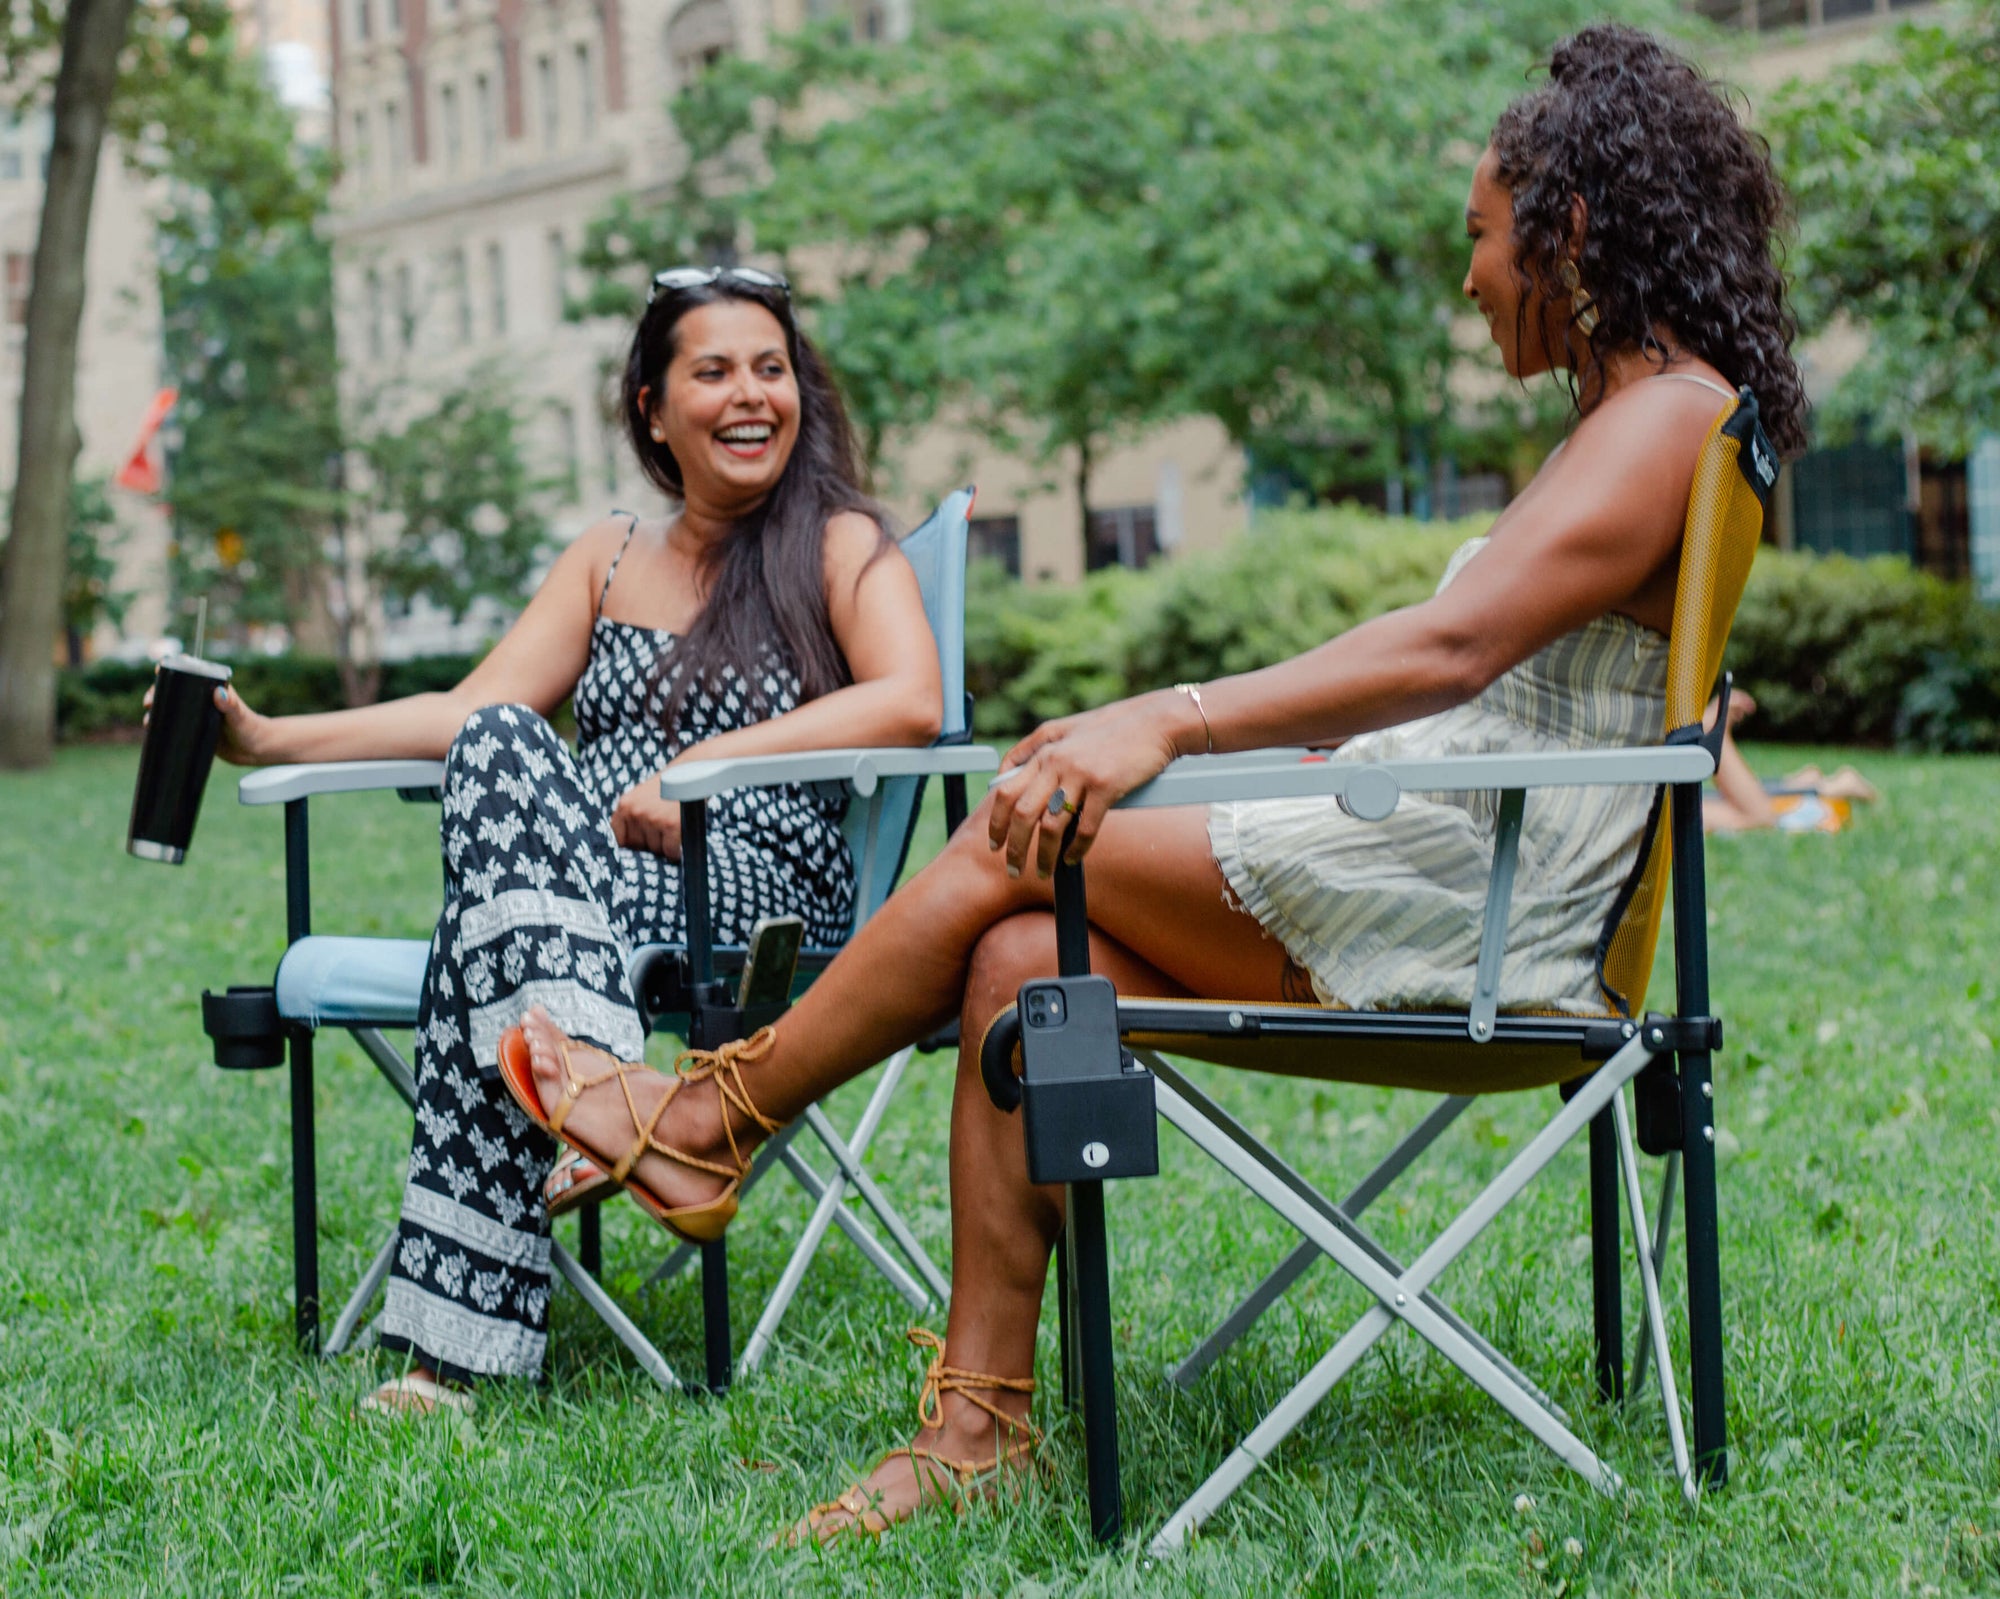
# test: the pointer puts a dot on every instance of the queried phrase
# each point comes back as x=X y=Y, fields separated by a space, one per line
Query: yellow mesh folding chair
x=1085 y=1061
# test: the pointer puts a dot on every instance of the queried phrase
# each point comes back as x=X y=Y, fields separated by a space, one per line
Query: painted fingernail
x=1013 y=870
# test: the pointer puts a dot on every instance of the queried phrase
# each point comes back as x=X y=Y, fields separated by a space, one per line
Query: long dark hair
x=1683 y=212
x=764 y=585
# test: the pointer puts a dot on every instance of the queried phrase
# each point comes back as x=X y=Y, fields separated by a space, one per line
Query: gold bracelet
x=1193 y=692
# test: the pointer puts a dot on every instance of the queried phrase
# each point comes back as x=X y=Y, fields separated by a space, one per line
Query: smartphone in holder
x=772 y=962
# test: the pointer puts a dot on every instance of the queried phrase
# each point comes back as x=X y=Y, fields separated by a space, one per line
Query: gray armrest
x=860 y=769
x=1371 y=788
x=278 y=785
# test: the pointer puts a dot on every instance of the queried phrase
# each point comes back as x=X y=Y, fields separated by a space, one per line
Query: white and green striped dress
x=1386 y=915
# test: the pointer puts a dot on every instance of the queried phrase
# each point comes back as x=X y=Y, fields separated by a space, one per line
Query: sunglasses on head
x=678 y=280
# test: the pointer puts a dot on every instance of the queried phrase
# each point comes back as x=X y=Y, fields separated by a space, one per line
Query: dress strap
x=631 y=527
x=1696 y=377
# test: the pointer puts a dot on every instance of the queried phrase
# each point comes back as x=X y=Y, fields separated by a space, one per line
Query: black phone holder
x=1086 y=1104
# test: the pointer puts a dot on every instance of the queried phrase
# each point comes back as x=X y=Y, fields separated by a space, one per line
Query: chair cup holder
x=244 y=1027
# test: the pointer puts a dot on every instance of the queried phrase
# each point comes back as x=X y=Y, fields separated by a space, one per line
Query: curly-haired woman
x=1622 y=225
x=770 y=613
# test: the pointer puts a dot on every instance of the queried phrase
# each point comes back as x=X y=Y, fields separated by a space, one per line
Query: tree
x=31 y=576
x=457 y=510
x=1892 y=164
x=109 y=73
x=1062 y=224
x=246 y=305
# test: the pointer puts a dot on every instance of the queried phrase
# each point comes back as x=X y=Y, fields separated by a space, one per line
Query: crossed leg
x=961 y=938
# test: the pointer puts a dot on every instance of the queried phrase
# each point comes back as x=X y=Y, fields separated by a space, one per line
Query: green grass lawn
x=159 y=1434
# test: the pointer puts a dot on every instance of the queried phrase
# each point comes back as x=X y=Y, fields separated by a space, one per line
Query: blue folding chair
x=371 y=986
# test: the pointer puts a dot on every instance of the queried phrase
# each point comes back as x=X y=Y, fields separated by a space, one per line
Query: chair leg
x=826 y=1210
x=1295 y=1265
x=1092 y=1340
x=1649 y=1288
x=715 y=1313
x=371 y=1280
x=1607 y=1285
x=1704 y=1269
x=590 y=1238
x=305 y=1197
x=1663 y=1232
x=606 y=1308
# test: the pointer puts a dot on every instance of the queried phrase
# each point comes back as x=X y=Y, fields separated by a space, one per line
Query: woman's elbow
x=925 y=721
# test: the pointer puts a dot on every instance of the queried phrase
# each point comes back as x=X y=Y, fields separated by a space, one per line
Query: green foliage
x=105 y=697
x=1060 y=223
x=1892 y=165
x=1835 y=650
x=464 y=511
x=1295 y=580
x=88 y=596
x=246 y=298
x=1865 y=652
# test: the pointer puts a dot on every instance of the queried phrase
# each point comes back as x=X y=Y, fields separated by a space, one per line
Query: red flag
x=141 y=471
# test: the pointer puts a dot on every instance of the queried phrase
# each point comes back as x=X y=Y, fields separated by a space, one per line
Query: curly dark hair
x=1682 y=208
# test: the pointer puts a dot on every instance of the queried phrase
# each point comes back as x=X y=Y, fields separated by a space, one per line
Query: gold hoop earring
x=1582 y=308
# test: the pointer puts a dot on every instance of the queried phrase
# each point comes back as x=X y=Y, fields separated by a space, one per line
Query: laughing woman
x=770 y=613
x=1621 y=224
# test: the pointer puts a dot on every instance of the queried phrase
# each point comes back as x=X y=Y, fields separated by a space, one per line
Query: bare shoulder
x=1664 y=413
x=852 y=540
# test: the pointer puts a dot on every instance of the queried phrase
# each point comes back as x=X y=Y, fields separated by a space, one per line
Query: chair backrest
x=879 y=829
x=1730 y=496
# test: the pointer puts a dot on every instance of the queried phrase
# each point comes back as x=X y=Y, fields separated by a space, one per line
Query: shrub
x=1295 y=580
x=1835 y=650
x=106 y=697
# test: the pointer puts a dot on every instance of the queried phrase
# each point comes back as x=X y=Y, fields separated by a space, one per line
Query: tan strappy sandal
x=952 y=1481
x=696 y=1224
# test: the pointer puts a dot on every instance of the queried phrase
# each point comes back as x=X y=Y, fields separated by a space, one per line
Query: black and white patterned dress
x=542 y=907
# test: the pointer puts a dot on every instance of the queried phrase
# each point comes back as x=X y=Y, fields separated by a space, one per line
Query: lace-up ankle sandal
x=938 y=1476
x=695 y=1224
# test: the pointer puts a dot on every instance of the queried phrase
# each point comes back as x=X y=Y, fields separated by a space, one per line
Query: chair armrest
x=860 y=769
x=279 y=785
x=1372 y=788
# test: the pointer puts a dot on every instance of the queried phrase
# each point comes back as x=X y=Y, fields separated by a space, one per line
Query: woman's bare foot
x=602 y=1122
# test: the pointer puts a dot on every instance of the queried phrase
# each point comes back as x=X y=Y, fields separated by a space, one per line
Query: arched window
x=700 y=34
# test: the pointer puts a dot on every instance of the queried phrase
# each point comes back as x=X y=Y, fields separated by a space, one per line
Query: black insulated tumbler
x=181 y=734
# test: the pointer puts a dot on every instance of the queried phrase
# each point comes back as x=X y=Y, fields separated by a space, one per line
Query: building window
x=454 y=141
x=545 y=84
x=406 y=306
x=360 y=162
x=558 y=275
x=1769 y=16
x=392 y=136
x=569 y=466
x=373 y=311
x=995 y=538
x=461 y=290
x=395 y=8
x=20 y=278
x=364 y=20
x=614 y=447
x=496 y=285
x=489 y=122
x=586 y=94
x=1126 y=535
x=701 y=33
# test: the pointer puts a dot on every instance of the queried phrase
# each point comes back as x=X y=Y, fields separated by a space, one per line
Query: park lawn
x=158 y=1433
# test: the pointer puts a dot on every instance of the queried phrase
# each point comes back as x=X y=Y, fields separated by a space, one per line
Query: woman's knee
x=492 y=730
x=1007 y=955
